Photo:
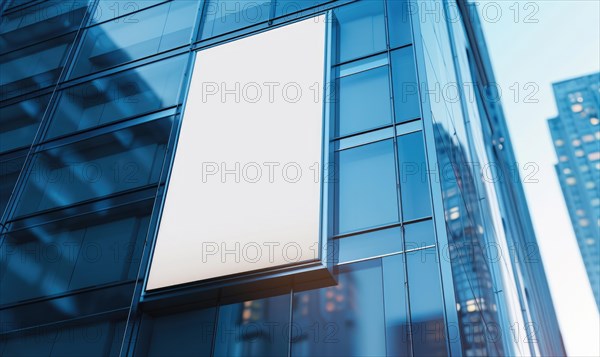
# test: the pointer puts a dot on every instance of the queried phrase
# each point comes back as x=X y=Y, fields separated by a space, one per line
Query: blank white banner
x=245 y=187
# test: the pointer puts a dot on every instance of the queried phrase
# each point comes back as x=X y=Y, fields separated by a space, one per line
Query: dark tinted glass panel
x=106 y=164
x=83 y=339
x=254 y=328
x=396 y=307
x=364 y=101
x=187 y=333
x=414 y=180
x=399 y=22
x=20 y=121
x=286 y=7
x=222 y=16
x=9 y=172
x=366 y=187
x=426 y=306
x=114 y=9
x=343 y=320
x=155 y=30
x=120 y=96
x=71 y=254
x=33 y=67
x=419 y=235
x=361 y=29
x=370 y=244
x=40 y=22
x=406 y=87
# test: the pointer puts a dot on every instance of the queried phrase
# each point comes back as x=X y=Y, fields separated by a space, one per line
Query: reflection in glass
x=343 y=320
x=419 y=235
x=10 y=168
x=370 y=244
x=414 y=178
x=364 y=101
x=366 y=187
x=396 y=306
x=117 y=97
x=20 y=122
x=102 y=165
x=155 y=30
x=286 y=7
x=406 y=86
x=426 y=305
x=399 y=22
x=223 y=16
x=254 y=328
x=361 y=29
x=111 y=9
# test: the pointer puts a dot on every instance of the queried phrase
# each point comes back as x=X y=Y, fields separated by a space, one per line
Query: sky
x=540 y=43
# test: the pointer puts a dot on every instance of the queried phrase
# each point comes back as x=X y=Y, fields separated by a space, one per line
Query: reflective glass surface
x=419 y=234
x=406 y=87
x=286 y=7
x=114 y=9
x=414 y=178
x=343 y=320
x=20 y=122
x=361 y=29
x=396 y=306
x=152 y=31
x=370 y=244
x=223 y=16
x=399 y=22
x=10 y=168
x=366 y=187
x=123 y=95
x=99 y=166
x=364 y=101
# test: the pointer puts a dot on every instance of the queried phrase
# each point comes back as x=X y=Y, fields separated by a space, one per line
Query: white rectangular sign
x=245 y=187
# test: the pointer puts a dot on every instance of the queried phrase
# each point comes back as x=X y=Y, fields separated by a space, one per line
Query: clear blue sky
x=545 y=42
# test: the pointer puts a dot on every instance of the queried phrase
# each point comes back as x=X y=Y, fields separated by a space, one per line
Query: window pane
x=9 y=172
x=364 y=101
x=33 y=67
x=20 y=122
x=120 y=96
x=154 y=30
x=406 y=87
x=426 y=305
x=399 y=22
x=419 y=235
x=83 y=251
x=222 y=16
x=286 y=7
x=39 y=23
x=254 y=328
x=106 y=164
x=361 y=29
x=187 y=333
x=342 y=320
x=370 y=244
x=111 y=9
x=366 y=187
x=414 y=180
x=396 y=306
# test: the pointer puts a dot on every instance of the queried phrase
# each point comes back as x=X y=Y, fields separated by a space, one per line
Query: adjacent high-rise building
x=260 y=178
x=576 y=135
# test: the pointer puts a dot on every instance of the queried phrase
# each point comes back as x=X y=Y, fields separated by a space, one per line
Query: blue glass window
x=426 y=305
x=254 y=328
x=33 y=67
x=406 y=86
x=286 y=7
x=10 y=168
x=39 y=23
x=103 y=165
x=117 y=97
x=114 y=9
x=399 y=22
x=342 y=320
x=185 y=333
x=370 y=244
x=20 y=122
x=82 y=251
x=366 y=187
x=223 y=16
x=414 y=178
x=419 y=234
x=396 y=306
x=361 y=29
x=154 y=30
x=364 y=101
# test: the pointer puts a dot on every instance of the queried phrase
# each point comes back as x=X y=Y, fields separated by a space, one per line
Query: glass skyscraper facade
x=434 y=250
x=576 y=135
